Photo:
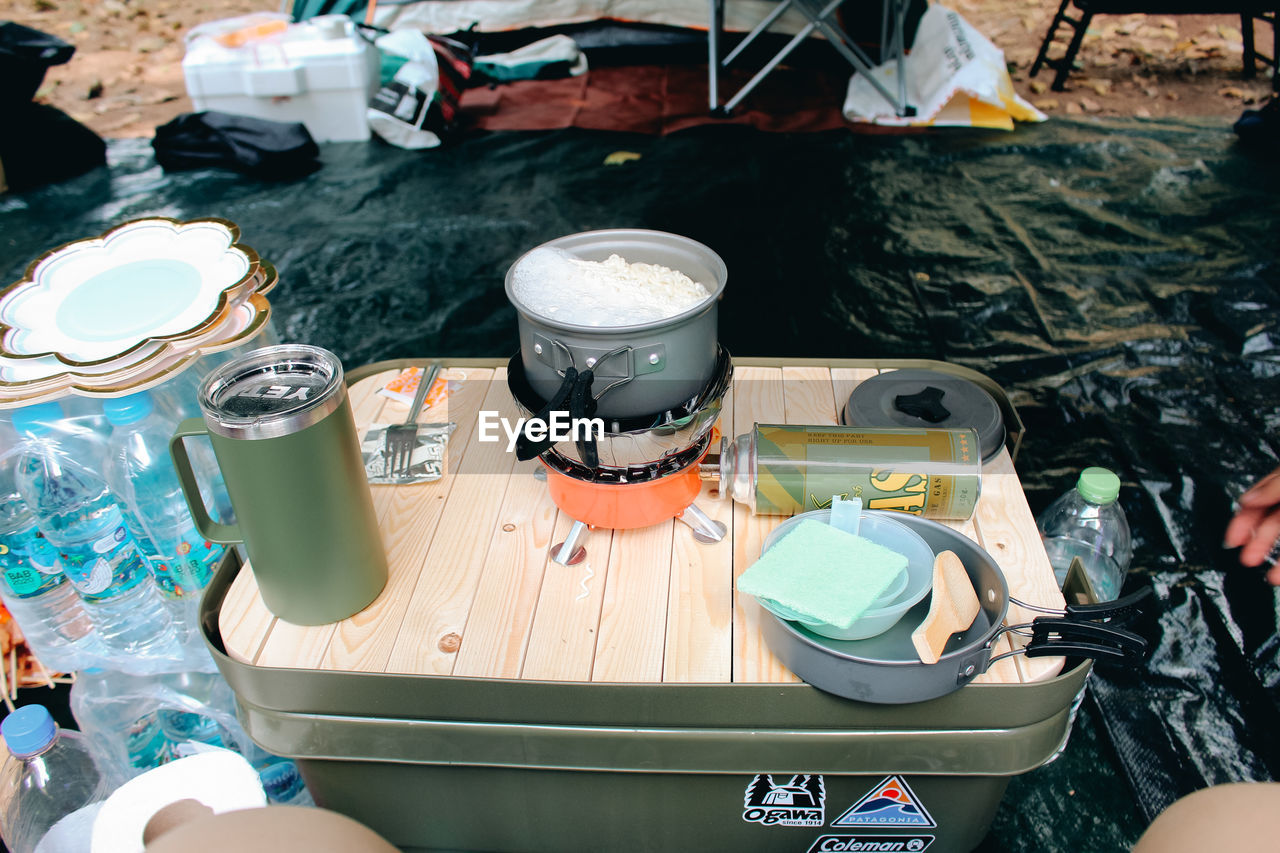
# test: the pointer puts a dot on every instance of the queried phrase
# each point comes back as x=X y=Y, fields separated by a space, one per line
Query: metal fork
x=402 y=439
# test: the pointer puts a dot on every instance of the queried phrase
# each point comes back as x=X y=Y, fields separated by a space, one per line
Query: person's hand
x=1255 y=528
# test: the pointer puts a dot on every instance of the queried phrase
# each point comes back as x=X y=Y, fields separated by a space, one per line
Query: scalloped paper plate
x=40 y=372
x=148 y=280
x=246 y=322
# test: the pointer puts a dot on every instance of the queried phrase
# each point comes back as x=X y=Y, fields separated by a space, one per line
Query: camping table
x=472 y=591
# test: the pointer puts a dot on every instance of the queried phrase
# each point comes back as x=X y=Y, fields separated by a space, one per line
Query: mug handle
x=225 y=534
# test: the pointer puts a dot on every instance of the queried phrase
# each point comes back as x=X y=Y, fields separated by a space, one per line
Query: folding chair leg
x=1064 y=64
x=1043 y=56
x=715 y=29
x=1250 y=52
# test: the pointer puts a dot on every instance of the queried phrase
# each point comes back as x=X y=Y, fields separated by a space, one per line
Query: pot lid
x=272 y=391
x=928 y=399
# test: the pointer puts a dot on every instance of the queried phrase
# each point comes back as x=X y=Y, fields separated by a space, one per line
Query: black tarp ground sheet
x=1120 y=279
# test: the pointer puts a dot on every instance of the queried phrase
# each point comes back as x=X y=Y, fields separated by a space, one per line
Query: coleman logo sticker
x=891 y=803
x=871 y=844
x=798 y=802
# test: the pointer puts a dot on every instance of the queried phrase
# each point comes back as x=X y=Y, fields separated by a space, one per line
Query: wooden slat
x=244 y=619
x=757 y=398
x=501 y=617
x=408 y=518
x=844 y=380
x=563 y=640
x=431 y=632
x=809 y=395
x=632 y=634
x=1007 y=530
x=699 y=641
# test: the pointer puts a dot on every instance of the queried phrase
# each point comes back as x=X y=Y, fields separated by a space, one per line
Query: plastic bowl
x=879 y=527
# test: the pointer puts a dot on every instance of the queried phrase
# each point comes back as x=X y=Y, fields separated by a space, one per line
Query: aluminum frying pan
x=886 y=669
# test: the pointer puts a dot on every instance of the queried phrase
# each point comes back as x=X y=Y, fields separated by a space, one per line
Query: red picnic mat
x=659 y=100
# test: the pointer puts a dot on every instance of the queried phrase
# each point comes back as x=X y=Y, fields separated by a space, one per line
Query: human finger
x=1265 y=492
x=1265 y=536
x=1242 y=525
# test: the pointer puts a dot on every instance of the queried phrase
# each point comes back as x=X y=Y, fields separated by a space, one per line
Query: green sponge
x=823 y=573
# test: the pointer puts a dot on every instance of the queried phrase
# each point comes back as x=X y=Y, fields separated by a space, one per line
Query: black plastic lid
x=927 y=399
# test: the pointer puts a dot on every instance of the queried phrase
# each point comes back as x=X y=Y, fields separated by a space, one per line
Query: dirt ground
x=126 y=76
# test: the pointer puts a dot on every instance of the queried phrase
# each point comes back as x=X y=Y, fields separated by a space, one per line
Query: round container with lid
x=927 y=399
x=639 y=369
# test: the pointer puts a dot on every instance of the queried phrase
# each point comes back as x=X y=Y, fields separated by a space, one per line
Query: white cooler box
x=319 y=72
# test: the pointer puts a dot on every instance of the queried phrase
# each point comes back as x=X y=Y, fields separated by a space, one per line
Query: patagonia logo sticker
x=871 y=844
x=891 y=803
x=797 y=802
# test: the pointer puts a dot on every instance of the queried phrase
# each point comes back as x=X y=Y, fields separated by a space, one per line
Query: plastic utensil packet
x=426 y=462
x=405 y=383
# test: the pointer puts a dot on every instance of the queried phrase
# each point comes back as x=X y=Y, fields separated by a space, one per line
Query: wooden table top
x=472 y=591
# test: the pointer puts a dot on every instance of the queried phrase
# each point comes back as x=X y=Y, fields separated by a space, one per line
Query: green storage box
x=452 y=763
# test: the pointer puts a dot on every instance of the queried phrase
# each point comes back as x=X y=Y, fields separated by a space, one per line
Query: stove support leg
x=569 y=552
x=705 y=528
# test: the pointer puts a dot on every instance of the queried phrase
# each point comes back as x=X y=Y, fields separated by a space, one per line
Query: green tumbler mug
x=284 y=436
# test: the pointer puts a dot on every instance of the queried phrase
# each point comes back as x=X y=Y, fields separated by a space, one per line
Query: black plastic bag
x=1260 y=129
x=271 y=150
x=25 y=55
x=40 y=144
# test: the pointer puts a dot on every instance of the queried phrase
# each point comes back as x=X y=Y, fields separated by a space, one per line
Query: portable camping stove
x=644 y=471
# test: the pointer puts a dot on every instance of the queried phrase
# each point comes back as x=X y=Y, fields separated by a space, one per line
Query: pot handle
x=527 y=448
x=1115 y=612
x=583 y=405
x=1062 y=636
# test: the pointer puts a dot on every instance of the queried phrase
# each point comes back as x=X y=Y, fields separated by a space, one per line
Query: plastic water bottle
x=34 y=588
x=140 y=472
x=283 y=783
x=1088 y=523
x=57 y=786
x=127 y=731
x=80 y=517
x=194 y=702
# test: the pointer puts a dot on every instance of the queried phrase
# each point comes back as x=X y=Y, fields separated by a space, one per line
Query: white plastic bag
x=398 y=111
x=955 y=78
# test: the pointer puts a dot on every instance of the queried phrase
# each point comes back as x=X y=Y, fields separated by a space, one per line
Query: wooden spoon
x=953 y=607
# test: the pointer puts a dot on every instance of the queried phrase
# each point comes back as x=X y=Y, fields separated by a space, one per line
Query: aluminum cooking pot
x=886 y=669
x=641 y=369
x=627 y=442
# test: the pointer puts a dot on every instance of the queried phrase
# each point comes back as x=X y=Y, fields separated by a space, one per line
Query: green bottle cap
x=1098 y=485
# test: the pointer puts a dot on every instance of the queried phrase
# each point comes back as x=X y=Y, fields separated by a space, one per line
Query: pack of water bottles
x=102 y=565
x=138 y=723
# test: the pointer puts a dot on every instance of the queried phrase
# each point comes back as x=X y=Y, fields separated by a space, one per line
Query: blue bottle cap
x=128 y=410
x=29 y=730
x=38 y=419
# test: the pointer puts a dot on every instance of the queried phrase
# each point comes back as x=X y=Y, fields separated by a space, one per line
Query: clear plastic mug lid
x=272 y=391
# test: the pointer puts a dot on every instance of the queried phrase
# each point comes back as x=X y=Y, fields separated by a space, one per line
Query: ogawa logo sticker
x=891 y=803
x=798 y=802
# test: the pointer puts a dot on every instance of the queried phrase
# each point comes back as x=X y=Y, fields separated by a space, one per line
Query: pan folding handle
x=1066 y=637
x=1116 y=612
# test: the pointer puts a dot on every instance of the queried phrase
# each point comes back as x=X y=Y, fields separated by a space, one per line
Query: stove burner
x=634 y=442
x=630 y=474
